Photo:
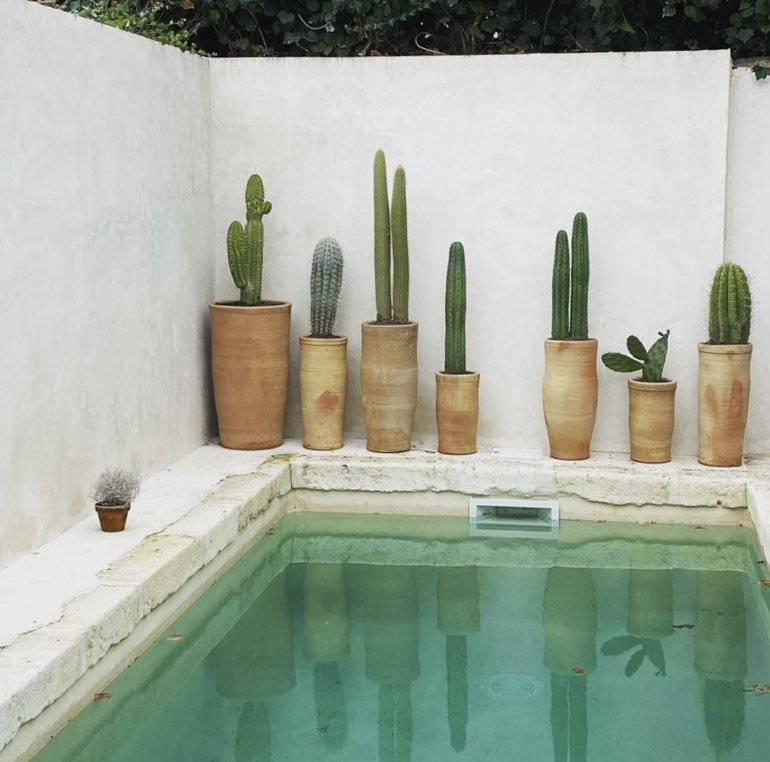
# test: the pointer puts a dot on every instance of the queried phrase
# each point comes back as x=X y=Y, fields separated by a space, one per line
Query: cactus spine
x=325 y=285
x=454 y=311
x=245 y=246
x=729 y=306
x=560 y=288
x=400 y=248
x=580 y=271
x=381 y=239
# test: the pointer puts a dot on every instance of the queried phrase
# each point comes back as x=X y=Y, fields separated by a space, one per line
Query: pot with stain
x=724 y=383
x=323 y=378
x=651 y=419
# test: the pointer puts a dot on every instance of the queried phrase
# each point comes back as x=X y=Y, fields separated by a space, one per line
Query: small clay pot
x=112 y=518
x=457 y=412
x=651 y=419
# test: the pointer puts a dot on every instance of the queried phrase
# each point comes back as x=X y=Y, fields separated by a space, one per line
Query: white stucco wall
x=105 y=262
x=500 y=152
x=748 y=231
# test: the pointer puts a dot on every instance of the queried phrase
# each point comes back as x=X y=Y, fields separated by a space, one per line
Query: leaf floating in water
x=175 y=636
x=765 y=582
x=98 y=696
x=758 y=689
x=578 y=670
x=684 y=626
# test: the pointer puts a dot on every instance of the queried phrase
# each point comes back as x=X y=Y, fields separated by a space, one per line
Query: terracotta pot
x=724 y=382
x=389 y=385
x=651 y=419
x=323 y=378
x=457 y=412
x=112 y=518
x=250 y=368
x=570 y=393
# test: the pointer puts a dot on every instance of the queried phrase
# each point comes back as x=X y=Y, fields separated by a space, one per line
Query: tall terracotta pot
x=724 y=382
x=651 y=419
x=570 y=394
x=389 y=385
x=250 y=368
x=323 y=378
x=457 y=412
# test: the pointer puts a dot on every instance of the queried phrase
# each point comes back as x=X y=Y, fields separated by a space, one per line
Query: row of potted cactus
x=570 y=388
x=251 y=365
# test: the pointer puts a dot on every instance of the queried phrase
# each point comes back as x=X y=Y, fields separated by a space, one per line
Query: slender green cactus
x=381 y=239
x=454 y=311
x=400 y=248
x=730 y=306
x=650 y=362
x=245 y=247
x=325 y=285
x=560 y=288
x=580 y=272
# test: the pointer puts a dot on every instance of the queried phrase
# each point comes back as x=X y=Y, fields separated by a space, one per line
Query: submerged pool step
x=513 y=517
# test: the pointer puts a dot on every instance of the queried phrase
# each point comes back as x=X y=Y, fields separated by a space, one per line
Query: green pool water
x=357 y=638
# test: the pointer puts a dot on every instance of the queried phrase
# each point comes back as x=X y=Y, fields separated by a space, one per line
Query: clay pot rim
x=121 y=507
x=375 y=324
x=571 y=341
x=707 y=348
x=664 y=385
x=306 y=338
x=267 y=305
x=459 y=377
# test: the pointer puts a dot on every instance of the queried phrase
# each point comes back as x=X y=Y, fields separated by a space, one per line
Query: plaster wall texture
x=748 y=230
x=500 y=152
x=105 y=262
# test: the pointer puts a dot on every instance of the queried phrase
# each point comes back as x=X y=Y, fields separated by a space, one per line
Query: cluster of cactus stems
x=569 y=287
x=454 y=311
x=729 y=306
x=390 y=233
x=325 y=285
x=649 y=361
x=245 y=246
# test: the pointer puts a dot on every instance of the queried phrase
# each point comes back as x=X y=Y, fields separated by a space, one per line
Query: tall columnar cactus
x=454 y=311
x=580 y=272
x=245 y=247
x=560 y=288
x=381 y=239
x=730 y=306
x=400 y=248
x=650 y=362
x=325 y=285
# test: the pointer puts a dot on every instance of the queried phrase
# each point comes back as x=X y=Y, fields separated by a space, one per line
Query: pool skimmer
x=514 y=517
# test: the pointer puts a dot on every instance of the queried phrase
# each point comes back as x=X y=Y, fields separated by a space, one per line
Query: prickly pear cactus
x=245 y=246
x=560 y=288
x=325 y=285
x=729 y=306
x=650 y=362
x=454 y=311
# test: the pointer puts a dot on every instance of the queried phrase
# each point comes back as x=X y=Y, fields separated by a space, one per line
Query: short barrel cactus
x=325 y=285
x=730 y=306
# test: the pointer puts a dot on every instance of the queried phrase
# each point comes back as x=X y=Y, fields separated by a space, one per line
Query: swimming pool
x=401 y=637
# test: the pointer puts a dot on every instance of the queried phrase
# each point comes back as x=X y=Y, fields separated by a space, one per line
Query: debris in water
x=98 y=696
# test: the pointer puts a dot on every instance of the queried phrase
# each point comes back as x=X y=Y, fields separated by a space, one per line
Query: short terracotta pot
x=651 y=419
x=250 y=369
x=323 y=378
x=389 y=385
x=457 y=412
x=570 y=394
x=724 y=383
x=112 y=518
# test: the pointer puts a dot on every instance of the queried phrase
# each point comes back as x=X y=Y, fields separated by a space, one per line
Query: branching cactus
x=400 y=248
x=730 y=306
x=381 y=239
x=569 y=286
x=650 y=362
x=245 y=246
x=325 y=285
x=454 y=311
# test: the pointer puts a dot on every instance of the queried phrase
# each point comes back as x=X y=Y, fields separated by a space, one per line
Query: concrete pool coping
x=71 y=601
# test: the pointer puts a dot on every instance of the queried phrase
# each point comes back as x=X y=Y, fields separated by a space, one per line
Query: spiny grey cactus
x=650 y=362
x=729 y=306
x=381 y=239
x=325 y=285
x=245 y=246
x=569 y=288
x=454 y=311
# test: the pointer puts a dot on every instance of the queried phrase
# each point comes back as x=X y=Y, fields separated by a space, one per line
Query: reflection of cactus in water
x=395 y=722
x=252 y=741
x=458 y=617
x=330 y=708
x=570 y=623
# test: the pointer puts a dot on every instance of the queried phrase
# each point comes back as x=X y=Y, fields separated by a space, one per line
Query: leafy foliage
x=409 y=27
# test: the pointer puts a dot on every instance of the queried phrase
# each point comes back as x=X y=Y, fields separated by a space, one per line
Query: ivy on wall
x=451 y=27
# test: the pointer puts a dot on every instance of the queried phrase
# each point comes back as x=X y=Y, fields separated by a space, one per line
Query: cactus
x=325 y=285
x=729 y=306
x=381 y=239
x=400 y=246
x=650 y=362
x=560 y=288
x=579 y=295
x=245 y=246
x=454 y=311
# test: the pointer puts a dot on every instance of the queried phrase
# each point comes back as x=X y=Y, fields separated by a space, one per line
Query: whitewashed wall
x=105 y=262
x=500 y=152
